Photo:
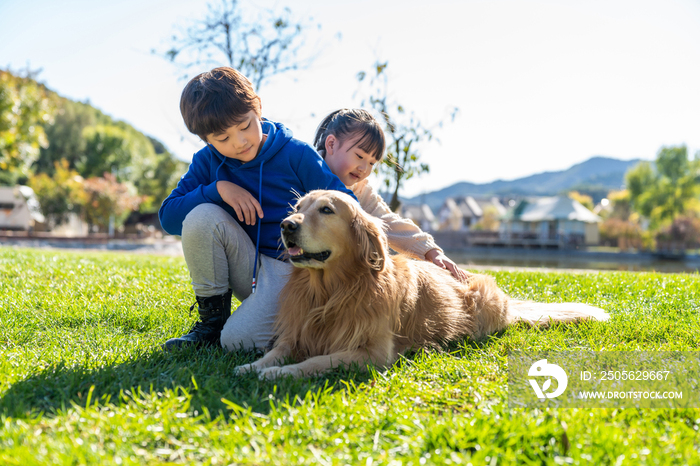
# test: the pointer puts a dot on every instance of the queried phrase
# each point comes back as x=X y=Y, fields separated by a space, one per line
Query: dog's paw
x=274 y=372
x=244 y=369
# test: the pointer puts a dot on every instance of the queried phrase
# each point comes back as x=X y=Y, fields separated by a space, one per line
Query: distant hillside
x=82 y=137
x=595 y=177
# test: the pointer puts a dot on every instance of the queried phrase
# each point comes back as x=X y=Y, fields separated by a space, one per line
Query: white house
x=556 y=218
x=462 y=213
x=422 y=215
x=19 y=208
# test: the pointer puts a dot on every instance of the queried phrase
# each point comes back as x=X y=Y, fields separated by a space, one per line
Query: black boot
x=213 y=313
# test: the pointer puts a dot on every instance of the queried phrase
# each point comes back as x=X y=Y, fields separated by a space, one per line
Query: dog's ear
x=371 y=240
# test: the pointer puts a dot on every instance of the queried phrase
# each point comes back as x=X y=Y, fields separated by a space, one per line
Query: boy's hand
x=243 y=203
x=444 y=262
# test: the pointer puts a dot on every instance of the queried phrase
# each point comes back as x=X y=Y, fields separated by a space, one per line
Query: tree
x=108 y=198
x=65 y=134
x=131 y=157
x=620 y=205
x=683 y=233
x=59 y=195
x=108 y=148
x=584 y=199
x=158 y=181
x=259 y=48
x=403 y=130
x=622 y=227
x=25 y=106
x=43 y=133
x=93 y=143
x=667 y=189
x=624 y=234
x=489 y=221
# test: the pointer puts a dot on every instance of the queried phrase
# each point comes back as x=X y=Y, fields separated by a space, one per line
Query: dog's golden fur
x=350 y=301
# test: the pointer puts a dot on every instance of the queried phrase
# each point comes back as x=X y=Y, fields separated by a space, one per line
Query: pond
x=564 y=259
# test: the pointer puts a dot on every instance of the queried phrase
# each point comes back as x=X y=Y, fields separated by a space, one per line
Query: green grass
x=83 y=379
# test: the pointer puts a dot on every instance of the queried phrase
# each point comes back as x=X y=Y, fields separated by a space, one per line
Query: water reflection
x=574 y=260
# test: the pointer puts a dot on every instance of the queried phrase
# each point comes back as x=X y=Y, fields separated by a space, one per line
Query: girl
x=351 y=141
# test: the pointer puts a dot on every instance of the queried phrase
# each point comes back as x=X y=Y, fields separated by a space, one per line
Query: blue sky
x=541 y=85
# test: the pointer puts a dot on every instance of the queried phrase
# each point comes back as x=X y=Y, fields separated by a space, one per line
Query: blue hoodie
x=285 y=166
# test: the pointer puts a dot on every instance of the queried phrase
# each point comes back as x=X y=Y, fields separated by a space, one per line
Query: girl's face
x=349 y=163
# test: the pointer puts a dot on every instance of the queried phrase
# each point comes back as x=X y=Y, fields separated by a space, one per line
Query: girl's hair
x=347 y=123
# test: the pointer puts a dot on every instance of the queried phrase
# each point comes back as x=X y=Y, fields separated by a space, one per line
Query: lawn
x=83 y=379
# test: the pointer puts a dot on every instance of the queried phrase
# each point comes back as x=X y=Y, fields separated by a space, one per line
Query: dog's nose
x=288 y=226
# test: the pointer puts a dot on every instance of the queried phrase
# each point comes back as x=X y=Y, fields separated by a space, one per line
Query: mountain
x=595 y=177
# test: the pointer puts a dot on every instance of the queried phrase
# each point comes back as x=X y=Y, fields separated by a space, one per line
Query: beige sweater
x=404 y=235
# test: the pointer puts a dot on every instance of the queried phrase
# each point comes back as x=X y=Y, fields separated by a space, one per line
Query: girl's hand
x=243 y=203
x=444 y=262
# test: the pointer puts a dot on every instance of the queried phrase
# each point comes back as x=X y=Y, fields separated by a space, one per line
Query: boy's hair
x=346 y=123
x=216 y=100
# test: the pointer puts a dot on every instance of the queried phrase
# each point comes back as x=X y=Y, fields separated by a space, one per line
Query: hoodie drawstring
x=257 y=241
x=223 y=161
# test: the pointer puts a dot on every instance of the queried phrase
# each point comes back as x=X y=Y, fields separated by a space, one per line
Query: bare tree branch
x=260 y=48
x=403 y=130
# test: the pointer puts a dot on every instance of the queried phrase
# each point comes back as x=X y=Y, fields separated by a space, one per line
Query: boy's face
x=242 y=141
x=349 y=163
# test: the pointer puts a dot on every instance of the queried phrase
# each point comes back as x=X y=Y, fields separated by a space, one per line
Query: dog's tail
x=544 y=314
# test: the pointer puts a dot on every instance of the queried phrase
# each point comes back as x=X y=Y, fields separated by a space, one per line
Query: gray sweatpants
x=220 y=256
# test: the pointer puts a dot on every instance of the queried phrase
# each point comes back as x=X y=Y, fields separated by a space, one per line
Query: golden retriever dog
x=349 y=301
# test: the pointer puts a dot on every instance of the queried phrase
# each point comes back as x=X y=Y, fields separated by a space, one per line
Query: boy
x=229 y=204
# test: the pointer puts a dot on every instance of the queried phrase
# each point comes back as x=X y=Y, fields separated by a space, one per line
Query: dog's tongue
x=295 y=251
